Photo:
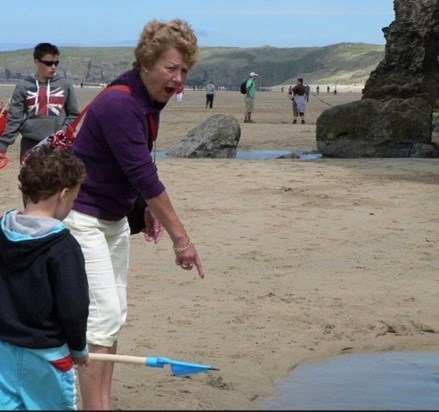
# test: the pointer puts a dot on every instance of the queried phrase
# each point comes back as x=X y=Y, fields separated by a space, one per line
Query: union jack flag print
x=45 y=101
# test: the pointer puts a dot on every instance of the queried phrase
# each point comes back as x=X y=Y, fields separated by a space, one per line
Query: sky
x=228 y=23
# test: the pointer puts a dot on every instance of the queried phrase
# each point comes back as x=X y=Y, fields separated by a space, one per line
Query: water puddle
x=265 y=154
x=383 y=380
x=276 y=154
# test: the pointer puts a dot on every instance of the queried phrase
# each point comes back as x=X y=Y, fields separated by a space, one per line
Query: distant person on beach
x=307 y=90
x=317 y=89
x=43 y=288
x=41 y=104
x=115 y=142
x=210 y=94
x=179 y=93
x=250 y=97
x=299 y=101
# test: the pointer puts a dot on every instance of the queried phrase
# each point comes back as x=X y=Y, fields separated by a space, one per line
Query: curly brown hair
x=158 y=36
x=49 y=169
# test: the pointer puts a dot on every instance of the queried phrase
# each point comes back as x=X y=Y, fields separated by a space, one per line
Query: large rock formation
x=216 y=137
x=394 y=116
x=375 y=128
x=410 y=66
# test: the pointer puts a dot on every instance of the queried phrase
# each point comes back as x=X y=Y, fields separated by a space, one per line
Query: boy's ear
x=63 y=193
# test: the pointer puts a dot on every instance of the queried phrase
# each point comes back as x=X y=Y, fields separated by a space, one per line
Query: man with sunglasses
x=41 y=104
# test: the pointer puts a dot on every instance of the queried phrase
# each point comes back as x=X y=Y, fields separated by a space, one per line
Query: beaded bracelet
x=184 y=248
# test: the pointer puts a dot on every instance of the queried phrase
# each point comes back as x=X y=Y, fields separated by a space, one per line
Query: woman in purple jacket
x=115 y=142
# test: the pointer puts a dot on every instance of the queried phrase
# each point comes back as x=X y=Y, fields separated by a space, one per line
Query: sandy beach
x=305 y=260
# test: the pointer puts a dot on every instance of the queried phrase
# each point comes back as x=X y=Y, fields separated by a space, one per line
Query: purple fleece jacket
x=113 y=143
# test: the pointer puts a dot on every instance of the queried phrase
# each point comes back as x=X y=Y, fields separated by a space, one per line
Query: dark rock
x=217 y=137
x=291 y=155
x=435 y=122
x=374 y=128
x=410 y=64
x=394 y=117
x=424 y=150
x=312 y=155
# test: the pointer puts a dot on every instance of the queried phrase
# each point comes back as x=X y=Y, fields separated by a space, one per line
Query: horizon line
x=4 y=47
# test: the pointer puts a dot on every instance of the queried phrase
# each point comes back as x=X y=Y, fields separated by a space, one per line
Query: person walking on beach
x=250 y=97
x=307 y=90
x=43 y=288
x=115 y=143
x=41 y=104
x=210 y=94
x=299 y=101
x=179 y=93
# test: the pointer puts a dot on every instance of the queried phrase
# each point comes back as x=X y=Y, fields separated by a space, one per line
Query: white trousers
x=106 y=249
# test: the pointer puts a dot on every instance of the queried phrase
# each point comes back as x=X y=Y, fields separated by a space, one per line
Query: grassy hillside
x=344 y=63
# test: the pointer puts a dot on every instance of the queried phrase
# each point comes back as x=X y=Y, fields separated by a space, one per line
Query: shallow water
x=383 y=380
x=264 y=154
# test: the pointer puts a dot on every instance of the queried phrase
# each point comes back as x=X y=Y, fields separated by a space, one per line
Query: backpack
x=243 y=88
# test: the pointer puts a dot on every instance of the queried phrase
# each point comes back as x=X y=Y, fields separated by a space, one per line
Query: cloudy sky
x=232 y=23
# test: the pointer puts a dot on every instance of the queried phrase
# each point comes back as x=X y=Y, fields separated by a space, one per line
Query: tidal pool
x=365 y=381
x=264 y=154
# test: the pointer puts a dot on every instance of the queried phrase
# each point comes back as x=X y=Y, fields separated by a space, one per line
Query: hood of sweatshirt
x=23 y=237
x=32 y=78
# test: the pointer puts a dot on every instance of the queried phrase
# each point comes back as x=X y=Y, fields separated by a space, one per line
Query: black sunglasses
x=49 y=63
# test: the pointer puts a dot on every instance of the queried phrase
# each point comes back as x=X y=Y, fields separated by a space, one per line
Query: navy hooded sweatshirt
x=43 y=285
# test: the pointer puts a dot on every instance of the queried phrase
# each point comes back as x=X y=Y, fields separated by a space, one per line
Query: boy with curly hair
x=43 y=287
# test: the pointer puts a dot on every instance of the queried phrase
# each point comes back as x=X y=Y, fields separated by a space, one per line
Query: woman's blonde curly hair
x=158 y=36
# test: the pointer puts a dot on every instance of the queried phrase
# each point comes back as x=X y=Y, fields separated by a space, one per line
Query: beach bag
x=3 y=121
x=65 y=138
x=243 y=87
x=4 y=159
x=4 y=117
x=135 y=216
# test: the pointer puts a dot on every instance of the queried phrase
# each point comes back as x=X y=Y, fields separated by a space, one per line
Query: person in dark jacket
x=210 y=93
x=43 y=287
x=115 y=142
x=299 y=100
